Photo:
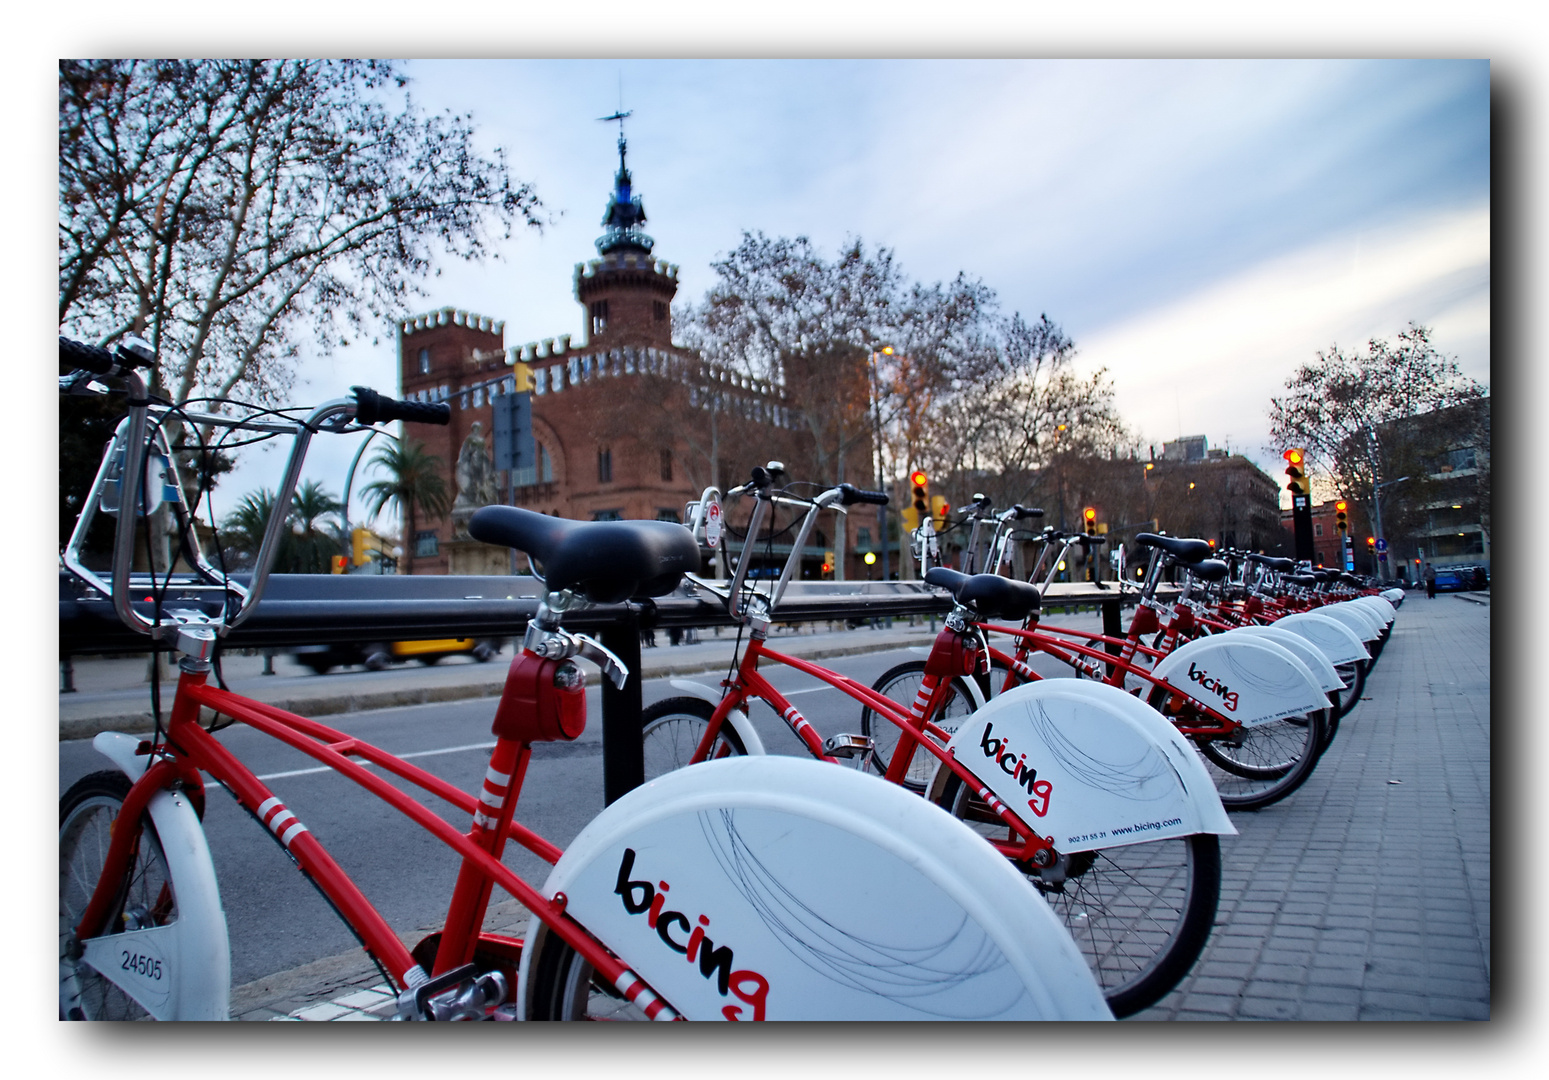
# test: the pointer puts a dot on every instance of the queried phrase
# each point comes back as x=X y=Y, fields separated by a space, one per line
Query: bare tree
x=780 y=312
x=224 y=208
x=1355 y=414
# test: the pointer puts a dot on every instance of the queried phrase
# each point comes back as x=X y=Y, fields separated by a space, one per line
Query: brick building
x=592 y=463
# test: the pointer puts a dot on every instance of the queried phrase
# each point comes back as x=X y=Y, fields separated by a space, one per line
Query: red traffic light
x=1090 y=513
x=1339 y=507
x=917 y=478
x=1295 y=457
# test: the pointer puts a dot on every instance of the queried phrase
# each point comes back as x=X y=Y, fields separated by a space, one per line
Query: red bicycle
x=1252 y=764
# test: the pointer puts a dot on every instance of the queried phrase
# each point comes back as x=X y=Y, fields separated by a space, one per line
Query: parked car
x=1452 y=579
x=377 y=655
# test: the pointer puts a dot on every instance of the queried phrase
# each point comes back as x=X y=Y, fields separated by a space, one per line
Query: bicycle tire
x=670 y=731
x=1289 y=750
x=901 y=683
x=145 y=898
x=564 y=987
x=1342 y=702
x=1141 y=913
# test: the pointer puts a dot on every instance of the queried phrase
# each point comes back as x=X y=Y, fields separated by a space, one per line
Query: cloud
x=1210 y=362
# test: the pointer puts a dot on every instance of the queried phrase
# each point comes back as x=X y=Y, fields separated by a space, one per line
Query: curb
x=141 y=722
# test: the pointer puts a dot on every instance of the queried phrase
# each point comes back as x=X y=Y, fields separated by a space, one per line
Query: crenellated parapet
x=451 y=316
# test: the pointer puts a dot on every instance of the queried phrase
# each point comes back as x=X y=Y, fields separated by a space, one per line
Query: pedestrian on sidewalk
x=1430 y=581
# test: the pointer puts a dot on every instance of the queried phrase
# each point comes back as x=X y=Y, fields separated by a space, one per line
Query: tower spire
x=625 y=213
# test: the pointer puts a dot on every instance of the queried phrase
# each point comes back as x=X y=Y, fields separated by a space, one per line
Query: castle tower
x=626 y=292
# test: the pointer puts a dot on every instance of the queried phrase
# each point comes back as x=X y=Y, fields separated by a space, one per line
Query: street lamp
x=876 y=413
x=1377 y=514
x=349 y=479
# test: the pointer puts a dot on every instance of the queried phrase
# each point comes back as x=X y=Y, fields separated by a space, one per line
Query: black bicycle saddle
x=605 y=561
x=990 y=595
x=1185 y=551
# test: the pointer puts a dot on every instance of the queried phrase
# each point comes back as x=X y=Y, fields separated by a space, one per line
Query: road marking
x=367 y=764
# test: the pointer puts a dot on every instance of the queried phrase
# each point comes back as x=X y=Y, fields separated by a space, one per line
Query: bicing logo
x=1016 y=766
x=1213 y=686
x=692 y=942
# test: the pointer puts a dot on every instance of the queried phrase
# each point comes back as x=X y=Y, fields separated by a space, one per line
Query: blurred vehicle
x=377 y=655
x=1453 y=579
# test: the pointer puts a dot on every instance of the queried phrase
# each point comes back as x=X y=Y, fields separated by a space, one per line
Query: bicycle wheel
x=671 y=730
x=902 y=684
x=1354 y=675
x=1140 y=914
x=145 y=898
x=1256 y=766
x=564 y=987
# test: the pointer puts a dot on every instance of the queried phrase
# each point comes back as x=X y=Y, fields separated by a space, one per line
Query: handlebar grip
x=92 y=358
x=1026 y=511
x=852 y=495
x=374 y=408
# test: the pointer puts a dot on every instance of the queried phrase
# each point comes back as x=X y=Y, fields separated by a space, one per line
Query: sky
x=1198 y=228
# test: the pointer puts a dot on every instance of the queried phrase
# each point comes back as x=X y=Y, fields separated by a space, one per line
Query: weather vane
x=620 y=116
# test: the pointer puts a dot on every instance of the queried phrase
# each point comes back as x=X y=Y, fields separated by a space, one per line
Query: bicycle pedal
x=460 y=994
x=845 y=746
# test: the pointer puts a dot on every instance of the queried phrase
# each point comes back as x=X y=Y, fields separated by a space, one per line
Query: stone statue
x=475 y=479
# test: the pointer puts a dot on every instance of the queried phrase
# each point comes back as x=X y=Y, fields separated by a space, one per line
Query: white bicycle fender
x=1362 y=623
x=1088 y=765
x=738 y=719
x=1339 y=643
x=1251 y=680
x=1305 y=651
x=195 y=954
x=1393 y=596
x=781 y=888
x=1380 y=607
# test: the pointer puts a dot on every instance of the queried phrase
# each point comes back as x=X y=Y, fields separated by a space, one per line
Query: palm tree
x=414 y=485
x=314 y=539
x=242 y=532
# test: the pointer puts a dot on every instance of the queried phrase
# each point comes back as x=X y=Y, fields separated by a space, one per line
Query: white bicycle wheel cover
x=792 y=866
x=1316 y=660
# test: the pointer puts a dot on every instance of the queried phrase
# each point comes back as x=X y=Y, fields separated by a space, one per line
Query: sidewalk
x=1366 y=894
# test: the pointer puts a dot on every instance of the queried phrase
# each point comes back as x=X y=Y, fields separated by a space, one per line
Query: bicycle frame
x=915 y=726
x=190 y=749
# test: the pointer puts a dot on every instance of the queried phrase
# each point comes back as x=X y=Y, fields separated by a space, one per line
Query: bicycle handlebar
x=132 y=353
x=374 y=408
x=92 y=358
x=849 y=495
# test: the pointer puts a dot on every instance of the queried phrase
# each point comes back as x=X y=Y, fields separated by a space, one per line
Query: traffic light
x=1296 y=469
x=1089 y=515
x=1371 y=541
x=1341 y=520
x=521 y=377
x=918 y=481
x=828 y=562
x=338 y=564
x=938 y=512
